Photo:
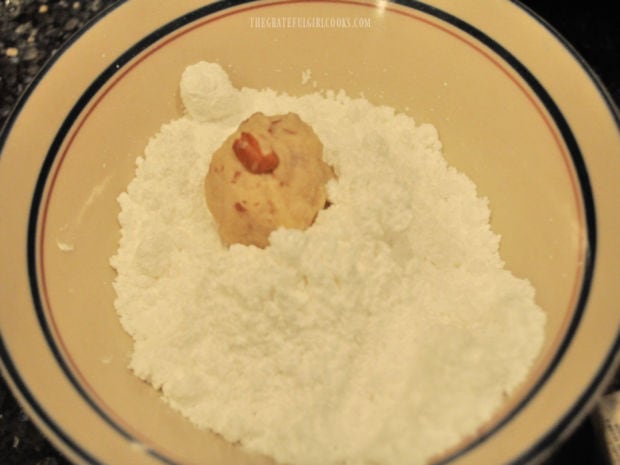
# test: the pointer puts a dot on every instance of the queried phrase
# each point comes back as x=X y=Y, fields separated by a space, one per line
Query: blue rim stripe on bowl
x=590 y=253
x=6 y=360
x=574 y=149
x=540 y=92
x=613 y=109
x=12 y=372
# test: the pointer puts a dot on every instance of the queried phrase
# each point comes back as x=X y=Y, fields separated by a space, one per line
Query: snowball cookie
x=270 y=173
x=207 y=93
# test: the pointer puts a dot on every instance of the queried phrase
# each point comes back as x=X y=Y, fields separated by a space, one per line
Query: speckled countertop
x=32 y=30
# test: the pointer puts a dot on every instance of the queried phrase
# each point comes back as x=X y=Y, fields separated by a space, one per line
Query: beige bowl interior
x=494 y=125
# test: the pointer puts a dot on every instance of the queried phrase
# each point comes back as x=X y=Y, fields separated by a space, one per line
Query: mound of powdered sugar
x=383 y=334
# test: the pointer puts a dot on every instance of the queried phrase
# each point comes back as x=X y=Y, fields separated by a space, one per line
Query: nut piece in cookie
x=268 y=174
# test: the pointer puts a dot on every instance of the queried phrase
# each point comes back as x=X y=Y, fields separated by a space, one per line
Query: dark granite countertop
x=32 y=30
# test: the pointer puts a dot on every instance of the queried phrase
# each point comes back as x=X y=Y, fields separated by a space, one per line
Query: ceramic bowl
x=516 y=110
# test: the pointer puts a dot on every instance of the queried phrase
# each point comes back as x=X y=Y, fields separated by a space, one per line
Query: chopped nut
x=248 y=151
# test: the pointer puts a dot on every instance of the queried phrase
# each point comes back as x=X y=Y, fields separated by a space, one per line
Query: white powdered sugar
x=383 y=334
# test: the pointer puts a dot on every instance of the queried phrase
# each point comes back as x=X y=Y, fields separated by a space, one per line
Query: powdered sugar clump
x=384 y=333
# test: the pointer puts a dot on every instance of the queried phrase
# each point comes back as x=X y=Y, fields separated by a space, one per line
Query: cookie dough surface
x=268 y=174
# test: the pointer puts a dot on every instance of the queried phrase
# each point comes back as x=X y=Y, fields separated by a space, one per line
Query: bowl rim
x=580 y=407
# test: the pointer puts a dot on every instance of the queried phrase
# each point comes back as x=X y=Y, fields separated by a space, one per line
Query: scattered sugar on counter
x=383 y=334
